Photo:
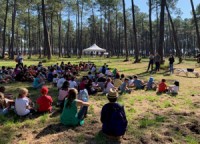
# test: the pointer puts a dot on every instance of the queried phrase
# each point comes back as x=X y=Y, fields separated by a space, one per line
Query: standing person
x=20 y=59
x=151 y=61
x=44 y=101
x=157 y=60
x=113 y=117
x=171 y=64
x=70 y=115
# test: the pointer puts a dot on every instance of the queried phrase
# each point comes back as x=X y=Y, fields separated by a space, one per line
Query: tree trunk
x=196 y=24
x=51 y=35
x=178 y=52
x=39 y=35
x=29 y=34
x=46 y=35
x=78 y=28
x=135 y=34
x=150 y=28
x=125 y=33
x=13 y=30
x=59 y=33
x=162 y=29
x=4 y=30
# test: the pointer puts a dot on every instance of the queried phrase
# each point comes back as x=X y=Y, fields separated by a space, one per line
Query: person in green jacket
x=70 y=115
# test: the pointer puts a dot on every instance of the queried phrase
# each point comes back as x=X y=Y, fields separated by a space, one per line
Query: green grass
x=147 y=113
x=146 y=122
x=191 y=140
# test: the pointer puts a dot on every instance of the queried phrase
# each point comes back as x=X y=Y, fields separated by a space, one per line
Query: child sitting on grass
x=63 y=93
x=162 y=87
x=124 y=87
x=4 y=104
x=23 y=103
x=174 y=88
x=151 y=85
x=44 y=101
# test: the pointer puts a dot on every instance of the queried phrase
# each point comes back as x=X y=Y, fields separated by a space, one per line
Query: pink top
x=62 y=94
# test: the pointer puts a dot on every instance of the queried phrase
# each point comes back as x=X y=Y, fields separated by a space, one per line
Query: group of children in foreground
x=71 y=96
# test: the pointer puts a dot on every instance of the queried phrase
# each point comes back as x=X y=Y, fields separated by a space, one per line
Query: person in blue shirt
x=138 y=84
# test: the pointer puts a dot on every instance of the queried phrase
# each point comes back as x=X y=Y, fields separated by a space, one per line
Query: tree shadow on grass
x=53 y=129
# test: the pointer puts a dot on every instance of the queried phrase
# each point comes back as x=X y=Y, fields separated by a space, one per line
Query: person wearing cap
x=44 y=101
x=151 y=84
x=113 y=117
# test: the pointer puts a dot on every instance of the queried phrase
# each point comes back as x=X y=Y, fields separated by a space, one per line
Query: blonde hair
x=23 y=91
x=2 y=98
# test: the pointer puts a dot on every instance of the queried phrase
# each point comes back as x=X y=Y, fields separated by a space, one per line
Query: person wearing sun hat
x=44 y=101
x=113 y=117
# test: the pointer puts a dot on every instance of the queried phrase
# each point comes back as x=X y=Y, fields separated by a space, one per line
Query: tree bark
x=135 y=34
x=196 y=24
x=162 y=29
x=125 y=33
x=150 y=28
x=13 y=30
x=46 y=35
x=4 y=30
x=178 y=52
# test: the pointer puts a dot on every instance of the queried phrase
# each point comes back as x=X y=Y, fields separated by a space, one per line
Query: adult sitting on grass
x=70 y=115
x=113 y=117
x=44 y=101
x=23 y=103
x=138 y=84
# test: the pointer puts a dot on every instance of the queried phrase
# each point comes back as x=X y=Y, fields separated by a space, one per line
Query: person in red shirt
x=162 y=87
x=44 y=101
x=83 y=83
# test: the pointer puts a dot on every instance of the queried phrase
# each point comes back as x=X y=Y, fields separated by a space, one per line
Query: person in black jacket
x=171 y=64
x=113 y=117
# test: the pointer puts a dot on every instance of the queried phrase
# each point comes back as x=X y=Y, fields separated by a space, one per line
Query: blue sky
x=184 y=5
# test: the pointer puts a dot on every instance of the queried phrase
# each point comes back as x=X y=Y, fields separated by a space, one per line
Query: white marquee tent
x=94 y=48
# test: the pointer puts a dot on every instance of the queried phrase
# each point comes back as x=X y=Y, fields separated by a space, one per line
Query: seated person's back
x=113 y=116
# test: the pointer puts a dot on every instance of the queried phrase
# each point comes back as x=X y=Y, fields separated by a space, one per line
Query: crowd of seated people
x=73 y=93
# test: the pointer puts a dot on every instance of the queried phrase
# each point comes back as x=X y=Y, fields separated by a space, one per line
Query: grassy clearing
x=152 y=118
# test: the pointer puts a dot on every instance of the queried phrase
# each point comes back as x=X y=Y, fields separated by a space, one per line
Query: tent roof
x=94 y=47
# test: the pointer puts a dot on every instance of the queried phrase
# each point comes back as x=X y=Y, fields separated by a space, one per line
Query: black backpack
x=117 y=120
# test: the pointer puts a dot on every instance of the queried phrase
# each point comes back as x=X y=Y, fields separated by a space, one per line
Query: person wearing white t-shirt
x=108 y=85
x=60 y=82
x=73 y=83
x=174 y=88
x=22 y=103
x=93 y=69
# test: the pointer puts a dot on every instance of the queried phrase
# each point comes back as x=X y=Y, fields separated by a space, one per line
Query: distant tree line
x=66 y=27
